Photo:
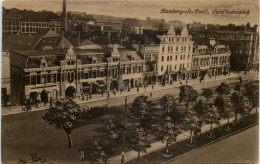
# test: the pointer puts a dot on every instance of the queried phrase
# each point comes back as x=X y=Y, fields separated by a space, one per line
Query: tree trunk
x=187 y=105
x=228 y=123
x=210 y=130
x=70 y=141
x=167 y=146
x=190 y=137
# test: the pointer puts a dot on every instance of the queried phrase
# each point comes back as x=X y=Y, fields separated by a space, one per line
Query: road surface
x=239 y=148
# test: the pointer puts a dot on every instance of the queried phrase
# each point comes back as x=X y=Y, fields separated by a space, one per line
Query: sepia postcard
x=128 y=81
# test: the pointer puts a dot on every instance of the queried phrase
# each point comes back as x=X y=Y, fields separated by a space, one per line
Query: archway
x=44 y=95
x=70 y=91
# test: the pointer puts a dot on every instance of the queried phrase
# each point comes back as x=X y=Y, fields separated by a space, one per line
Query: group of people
x=30 y=102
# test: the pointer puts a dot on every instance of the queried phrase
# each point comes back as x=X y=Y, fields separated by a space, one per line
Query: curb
x=221 y=138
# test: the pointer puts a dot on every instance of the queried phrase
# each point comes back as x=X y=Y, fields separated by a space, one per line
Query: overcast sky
x=147 y=8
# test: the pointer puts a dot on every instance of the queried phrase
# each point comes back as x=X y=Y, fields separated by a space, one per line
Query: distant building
x=6 y=79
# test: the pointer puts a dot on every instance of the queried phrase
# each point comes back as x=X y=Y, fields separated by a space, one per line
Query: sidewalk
x=159 y=145
x=98 y=97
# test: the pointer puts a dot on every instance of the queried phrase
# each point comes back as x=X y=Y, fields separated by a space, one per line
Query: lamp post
x=123 y=144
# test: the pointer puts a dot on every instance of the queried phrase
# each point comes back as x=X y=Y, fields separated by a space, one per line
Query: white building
x=175 y=55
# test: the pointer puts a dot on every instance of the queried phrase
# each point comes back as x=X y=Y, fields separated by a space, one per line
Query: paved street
x=239 y=148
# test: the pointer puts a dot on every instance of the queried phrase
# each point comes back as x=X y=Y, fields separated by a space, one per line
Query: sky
x=150 y=8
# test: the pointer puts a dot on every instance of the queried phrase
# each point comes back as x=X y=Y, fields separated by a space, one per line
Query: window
x=181 y=48
x=183 y=57
x=169 y=48
x=182 y=39
x=162 y=68
x=169 y=39
x=177 y=48
x=168 y=58
x=162 y=49
x=164 y=39
x=162 y=58
x=175 y=67
x=187 y=65
x=188 y=56
x=172 y=39
x=176 y=57
x=184 y=48
x=171 y=58
x=189 y=48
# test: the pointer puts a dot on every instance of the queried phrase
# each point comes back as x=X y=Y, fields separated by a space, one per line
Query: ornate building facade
x=211 y=60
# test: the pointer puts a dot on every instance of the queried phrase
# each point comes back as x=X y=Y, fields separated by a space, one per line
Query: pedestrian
x=51 y=102
x=114 y=93
x=82 y=155
x=102 y=93
x=137 y=89
x=151 y=95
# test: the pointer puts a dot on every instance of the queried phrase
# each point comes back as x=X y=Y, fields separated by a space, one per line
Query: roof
x=30 y=53
x=129 y=55
x=49 y=41
x=29 y=15
x=20 y=42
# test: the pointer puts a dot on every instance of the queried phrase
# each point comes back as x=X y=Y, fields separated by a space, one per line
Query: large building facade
x=175 y=55
x=211 y=60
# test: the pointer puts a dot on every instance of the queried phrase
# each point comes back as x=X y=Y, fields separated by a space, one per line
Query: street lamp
x=123 y=144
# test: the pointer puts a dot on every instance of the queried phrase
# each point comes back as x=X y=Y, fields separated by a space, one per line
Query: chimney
x=212 y=42
x=64 y=15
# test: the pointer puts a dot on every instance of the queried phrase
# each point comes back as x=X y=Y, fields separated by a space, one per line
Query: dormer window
x=43 y=63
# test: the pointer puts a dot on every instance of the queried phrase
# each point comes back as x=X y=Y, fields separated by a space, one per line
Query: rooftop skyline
x=152 y=9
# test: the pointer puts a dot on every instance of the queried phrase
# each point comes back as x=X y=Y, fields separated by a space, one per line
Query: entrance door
x=70 y=91
x=44 y=96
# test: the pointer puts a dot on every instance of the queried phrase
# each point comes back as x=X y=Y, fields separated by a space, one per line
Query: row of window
x=8 y=22
x=169 y=58
x=35 y=79
x=183 y=48
x=35 y=24
x=171 y=39
x=169 y=67
x=15 y=28
x=31 y=29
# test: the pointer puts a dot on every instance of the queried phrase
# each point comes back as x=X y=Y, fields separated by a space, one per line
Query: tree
x=111 y=133
x=63 y=115
x=34 y=159
x=140 y=141
x=199 y=108
x=191 y=123
x=244 y=106
x=219 y=102
x=141 y=109
x=207 y=94
x=211 y=116
x=223 y=89
x=168 y=132
x=188 y=95
x=234 y=100
x=252 y=93
x=95 y=153
x=228 y=112
x=169 y=105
